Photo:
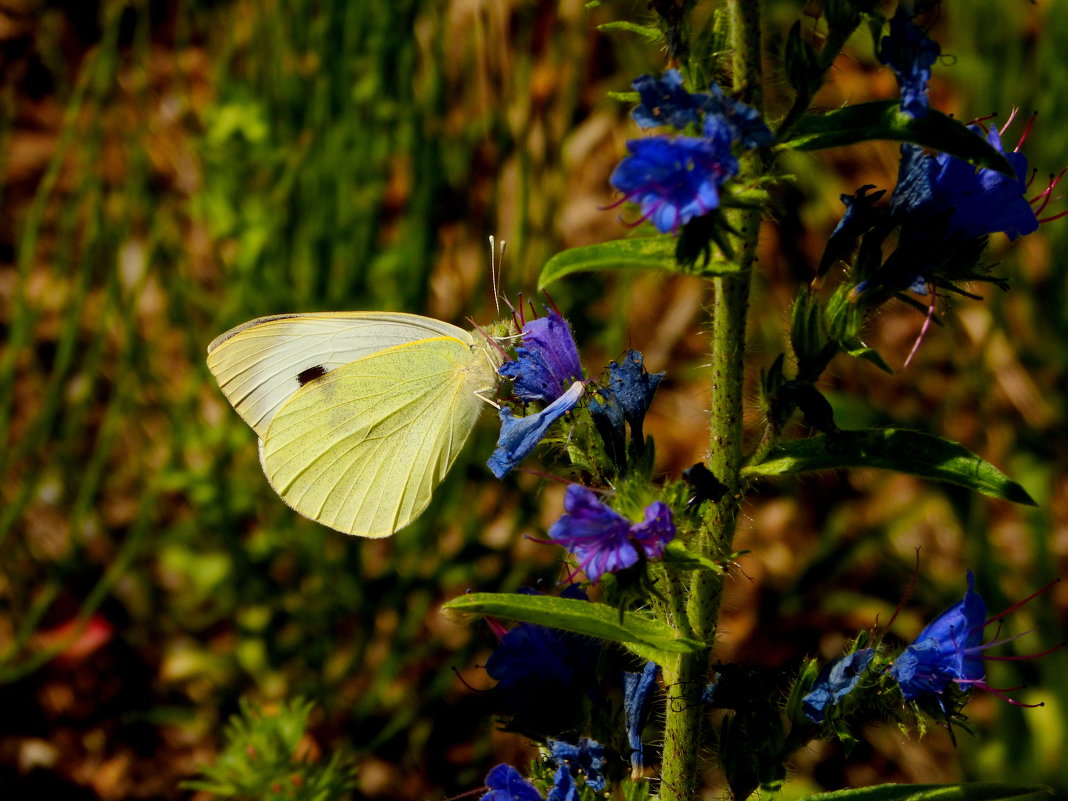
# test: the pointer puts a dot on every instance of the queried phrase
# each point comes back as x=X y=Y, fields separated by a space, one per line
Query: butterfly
x=359 y=414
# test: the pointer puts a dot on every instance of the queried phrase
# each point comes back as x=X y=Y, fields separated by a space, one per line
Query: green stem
x=687 y=676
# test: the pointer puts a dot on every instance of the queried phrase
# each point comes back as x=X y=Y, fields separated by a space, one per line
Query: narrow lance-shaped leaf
x=885 y=120
x=643 y=253
x=977 y=791
x=647 y=638
x=891 y=449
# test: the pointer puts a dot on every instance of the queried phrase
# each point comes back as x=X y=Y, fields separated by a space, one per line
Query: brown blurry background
x=171 y=168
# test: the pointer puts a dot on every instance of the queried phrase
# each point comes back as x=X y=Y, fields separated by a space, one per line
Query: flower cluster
x=584 y=759
x=677 y=178
x=944 y=209
x=936 y=670
x=545 y=364
x=948 y=653
x=545 y=679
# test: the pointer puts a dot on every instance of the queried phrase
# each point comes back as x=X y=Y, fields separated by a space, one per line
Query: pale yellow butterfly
x=360 y=414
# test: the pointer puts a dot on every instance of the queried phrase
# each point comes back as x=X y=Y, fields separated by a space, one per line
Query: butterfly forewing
x=362 y=447
x=261 y=364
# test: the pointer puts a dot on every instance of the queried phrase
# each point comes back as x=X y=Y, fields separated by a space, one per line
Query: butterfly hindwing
x=361 y=447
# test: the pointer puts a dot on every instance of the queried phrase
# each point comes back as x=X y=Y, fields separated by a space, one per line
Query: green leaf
x=647 y=638
x=644 y=253
x=858 y=350
x=891 y=449
x=885 y=120
x=976 y=791
x=649 y=34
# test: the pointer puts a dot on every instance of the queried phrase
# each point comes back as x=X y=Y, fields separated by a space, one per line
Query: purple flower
x=546 y=362
x=585 y=758
x=638 y=689
x=505 y=784
x=520 y=435
x=665 y=102
x=743 y=122
x=603 y=540
x=949 y=650
x=675 y=179
x=835 y=681
x=910 y=54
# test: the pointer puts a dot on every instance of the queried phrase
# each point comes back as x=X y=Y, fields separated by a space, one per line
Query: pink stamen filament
x=1056 y=216
x=981 y=120
x=1000 y=692
x=1024 y=657
x=1026 y=131
x=1018 y=604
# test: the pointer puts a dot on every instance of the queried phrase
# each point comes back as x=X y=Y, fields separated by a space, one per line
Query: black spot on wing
x=310 y=374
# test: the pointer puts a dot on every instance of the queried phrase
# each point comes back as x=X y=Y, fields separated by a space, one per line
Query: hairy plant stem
x=686 y=677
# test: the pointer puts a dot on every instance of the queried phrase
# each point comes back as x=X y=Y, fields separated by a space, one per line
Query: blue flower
x=975 y=202
x=520 y=435
x=860 y=216
x=835 y=681
x=949 y=651
x=543 y=675
x=910 y=54
x=586 y=759
x=665 y=102
x=675 y=179
x=946 y=208
x=505 y=784
x=743 y=122
x=634 y=388
x=945 y=652
x=546 y=362
x=626 y=399
x=607 y=414
x=638 y=689
x=564 y=786
x=603 y=540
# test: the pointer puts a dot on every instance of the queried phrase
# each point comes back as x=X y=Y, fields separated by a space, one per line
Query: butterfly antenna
x=496 y=263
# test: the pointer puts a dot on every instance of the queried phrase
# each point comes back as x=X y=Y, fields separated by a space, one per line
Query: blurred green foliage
x=174 y=168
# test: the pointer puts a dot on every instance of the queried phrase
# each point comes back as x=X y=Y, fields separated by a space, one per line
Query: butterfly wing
x=261 y=364
x=361 y=448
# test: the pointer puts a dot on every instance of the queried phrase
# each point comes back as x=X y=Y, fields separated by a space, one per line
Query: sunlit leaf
x=644 y=253
x=647 y=638
x=977 y=791
x=885 y=120
x=891 y=449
